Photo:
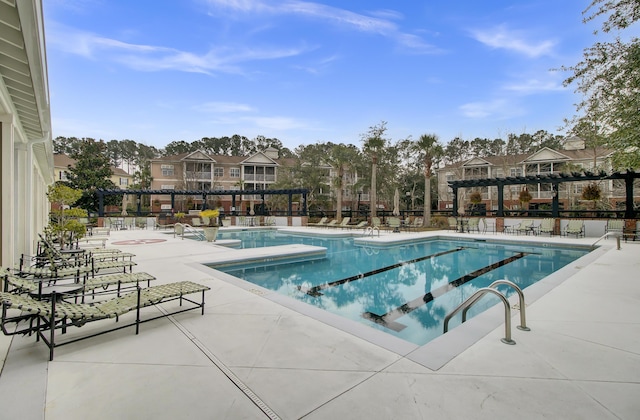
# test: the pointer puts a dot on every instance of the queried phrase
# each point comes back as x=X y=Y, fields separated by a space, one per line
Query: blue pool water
x=404 y=290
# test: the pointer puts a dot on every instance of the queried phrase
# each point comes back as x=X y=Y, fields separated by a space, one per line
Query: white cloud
x=501 y=37
x=378 y=23
x=495 y=109
x=224 y=107
x=530 y=86
x=154 y=58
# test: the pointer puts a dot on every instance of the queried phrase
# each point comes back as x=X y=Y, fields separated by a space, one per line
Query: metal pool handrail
x=616 y=234
x=370 y=230
x=507 y=308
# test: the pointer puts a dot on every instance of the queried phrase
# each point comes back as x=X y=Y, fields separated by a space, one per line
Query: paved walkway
x=250 y=357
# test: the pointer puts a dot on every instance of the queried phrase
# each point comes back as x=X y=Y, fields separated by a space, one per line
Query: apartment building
x=575 y=157
x=199 y=171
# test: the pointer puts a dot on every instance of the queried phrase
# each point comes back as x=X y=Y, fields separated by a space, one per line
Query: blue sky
x=306 y=72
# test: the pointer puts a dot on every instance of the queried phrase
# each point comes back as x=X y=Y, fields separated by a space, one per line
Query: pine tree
x=91 y=171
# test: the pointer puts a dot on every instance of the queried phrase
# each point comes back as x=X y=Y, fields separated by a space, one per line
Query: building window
x=64 y=176
x=167 y=170
x=218 y=172
x=516 y=171
x=167 y=187
x=124 y=181
x=234 y=172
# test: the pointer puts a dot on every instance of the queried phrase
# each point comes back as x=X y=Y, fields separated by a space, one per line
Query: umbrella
x=251 y=212
x=124 y=205
x=396 y=203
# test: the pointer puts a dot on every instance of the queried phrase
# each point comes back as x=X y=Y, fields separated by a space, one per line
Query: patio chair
x=394 y=224
x=487 y=226
x=525 y=226
x=574 y=227
x=453 y=223
x=321 y=222
x=416 y=224
x=547 y=226
x=614 y=225
x=375 y=222
x=49 y=316
x=473 y=224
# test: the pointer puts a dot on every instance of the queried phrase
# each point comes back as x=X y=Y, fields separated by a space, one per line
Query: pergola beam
x=554 y=180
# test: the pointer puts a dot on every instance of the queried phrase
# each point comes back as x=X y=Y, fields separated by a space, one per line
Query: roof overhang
x=23 y=76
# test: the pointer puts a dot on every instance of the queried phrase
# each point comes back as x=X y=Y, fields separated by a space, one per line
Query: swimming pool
x=405 y=290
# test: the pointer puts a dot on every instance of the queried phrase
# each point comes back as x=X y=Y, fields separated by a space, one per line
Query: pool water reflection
x=404 y=290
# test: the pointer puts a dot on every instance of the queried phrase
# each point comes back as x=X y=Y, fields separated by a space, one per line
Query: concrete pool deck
x=249 y=357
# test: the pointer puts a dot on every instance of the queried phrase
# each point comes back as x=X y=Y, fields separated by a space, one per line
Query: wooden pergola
x=554 y=180
x=204 y=194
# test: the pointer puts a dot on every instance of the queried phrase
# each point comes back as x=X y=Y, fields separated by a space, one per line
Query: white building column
x=21 y=201
x=7 y=191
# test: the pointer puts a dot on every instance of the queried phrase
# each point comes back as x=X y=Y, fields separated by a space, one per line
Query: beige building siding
x=258 y=171
x=545 y=161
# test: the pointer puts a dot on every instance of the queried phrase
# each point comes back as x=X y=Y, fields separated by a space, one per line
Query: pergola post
x=500 y=200
x=290 y=205
x=455 y=201
x=628 y=183
x=555 y=203
x=100 y=203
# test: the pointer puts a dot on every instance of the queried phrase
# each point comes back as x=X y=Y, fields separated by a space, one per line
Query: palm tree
x=373 y=145
x=342 y=158
x=430 y=151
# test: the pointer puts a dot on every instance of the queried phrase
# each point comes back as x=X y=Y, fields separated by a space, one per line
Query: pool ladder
x=466 y=305
x=187 y=228
x=369 y=230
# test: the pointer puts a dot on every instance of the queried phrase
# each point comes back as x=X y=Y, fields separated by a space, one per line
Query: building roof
x=519 y=159
x=60 y=160
x=226 y=159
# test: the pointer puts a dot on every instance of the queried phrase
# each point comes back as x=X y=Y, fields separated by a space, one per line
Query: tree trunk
x=373 y=198
x=426 y=220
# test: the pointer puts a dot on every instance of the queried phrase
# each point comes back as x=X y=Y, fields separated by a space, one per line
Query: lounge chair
x=321 y=222
x=332 y=223
x=17 y=284
x=48 y=316
x=547 y=226
x=363 y=224
x=342 y=224
x=574 y=227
